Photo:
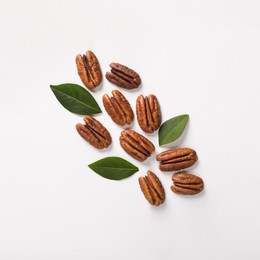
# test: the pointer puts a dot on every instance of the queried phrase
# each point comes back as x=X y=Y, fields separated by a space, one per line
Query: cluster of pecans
x=136 y=145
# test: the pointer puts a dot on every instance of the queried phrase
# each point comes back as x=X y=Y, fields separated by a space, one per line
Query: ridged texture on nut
x=123 y=76
x=176 y=159
x=186 y=183
x=152 y=189
x=148 y=113
x=136 y=145
x=94 y=132
x=89 y=70
x=118 y=108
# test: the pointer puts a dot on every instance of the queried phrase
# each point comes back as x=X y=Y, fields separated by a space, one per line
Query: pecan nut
x=148 y=113
x=94 y=132
x=123 y=76
x=152 y=189
x=136 y=145
x=89 y=69
x=176 y=159
x=186 y=183
x=118 y=108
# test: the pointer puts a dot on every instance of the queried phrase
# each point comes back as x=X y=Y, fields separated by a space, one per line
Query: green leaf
x=172 y=129
x=113 y=168
x=76 y=99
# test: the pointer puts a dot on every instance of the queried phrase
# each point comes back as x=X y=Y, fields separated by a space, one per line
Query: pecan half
x=152 y=189
x=94 y=132
x=186 y=183
x=118 y=108
x=148 y=113
x=136 y=145
x=89 y=70
x=123 y=76
x=176 y=159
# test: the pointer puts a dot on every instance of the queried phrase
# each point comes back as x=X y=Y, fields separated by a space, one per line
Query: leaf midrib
x=112 y=168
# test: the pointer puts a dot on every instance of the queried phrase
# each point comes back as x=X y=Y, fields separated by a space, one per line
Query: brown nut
x=94 y=132
x=123 y=76
x=118 y=108
x=89 y=70
x=186 y=183
x=136 y=145
x=152 y=189
x=148 y=113
x=176 y=159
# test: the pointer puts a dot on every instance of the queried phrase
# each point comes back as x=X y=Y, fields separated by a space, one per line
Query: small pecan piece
x=136 y=145
x=89 y=70
x=148 y=113
x=94 y=132
x=186 y=183
x=152 y=189
x=176 y=159
x=118 y=108
x=123 y=76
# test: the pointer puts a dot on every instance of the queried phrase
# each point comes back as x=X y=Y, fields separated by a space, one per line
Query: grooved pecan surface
x=148 y=113
x=176 y=159
x=94 y=132
x=89 y=69
x=136 y=145
x=118 y=108
x=186 y=183
x=152 y=189
x=123 y=76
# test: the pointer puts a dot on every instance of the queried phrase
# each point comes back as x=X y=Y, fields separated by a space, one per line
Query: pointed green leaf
x=113 y=168
x=172 y=129
x=76 y=99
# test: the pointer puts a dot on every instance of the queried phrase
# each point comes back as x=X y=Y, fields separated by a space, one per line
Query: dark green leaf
x=113 y=168
x=172 y=129
x=76 y=99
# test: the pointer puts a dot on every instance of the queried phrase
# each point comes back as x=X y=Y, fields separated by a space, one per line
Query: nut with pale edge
x=186 y=183
x=136 y=145
x=94 y=132
x=89 y=69
x=176 y=159
x=123 y=76
x=148 y=113
x=152 y=189
x=118 y=108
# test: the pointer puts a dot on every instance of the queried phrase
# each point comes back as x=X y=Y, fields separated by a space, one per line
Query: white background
x=198 y=57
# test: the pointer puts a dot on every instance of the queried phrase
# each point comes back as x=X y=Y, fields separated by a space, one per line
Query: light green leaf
x=172 y=129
